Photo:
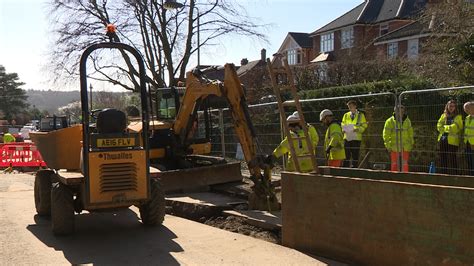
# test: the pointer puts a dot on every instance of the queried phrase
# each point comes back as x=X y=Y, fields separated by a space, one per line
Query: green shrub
x=395 y=86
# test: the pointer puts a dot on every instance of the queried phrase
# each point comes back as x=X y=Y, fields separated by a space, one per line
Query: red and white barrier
x=20 y=154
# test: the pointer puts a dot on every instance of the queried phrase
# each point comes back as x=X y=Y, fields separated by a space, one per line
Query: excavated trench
x=217 y=216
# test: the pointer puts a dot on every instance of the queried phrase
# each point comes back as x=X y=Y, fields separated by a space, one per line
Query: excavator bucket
x=263 y=196
x=198 y=177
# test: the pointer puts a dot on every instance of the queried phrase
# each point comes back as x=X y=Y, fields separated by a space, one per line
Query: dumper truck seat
x=111 y=121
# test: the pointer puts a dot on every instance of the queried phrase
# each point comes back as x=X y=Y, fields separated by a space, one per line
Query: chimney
x=263 y=55
x=432 y=22
x=244 y=61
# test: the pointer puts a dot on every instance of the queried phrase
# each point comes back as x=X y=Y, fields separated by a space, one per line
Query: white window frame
x=392 y=50
x=294 y=56
x=347 y=38
x=322 y=71
x=327 y=42
x=383 y=27
x=414 y=54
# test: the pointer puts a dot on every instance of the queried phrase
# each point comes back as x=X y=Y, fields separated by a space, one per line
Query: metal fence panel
x=423 y=108
x=267 y=123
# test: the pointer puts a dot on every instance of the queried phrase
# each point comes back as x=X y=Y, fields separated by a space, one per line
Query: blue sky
x=24 y=36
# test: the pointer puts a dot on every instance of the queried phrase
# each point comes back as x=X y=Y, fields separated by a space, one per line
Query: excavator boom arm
x=198 y=88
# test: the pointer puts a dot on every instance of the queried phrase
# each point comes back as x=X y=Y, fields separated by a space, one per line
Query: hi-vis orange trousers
x=394 y=159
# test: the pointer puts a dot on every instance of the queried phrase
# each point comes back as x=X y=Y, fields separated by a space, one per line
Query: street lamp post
x=172 y=4
x=90 y=96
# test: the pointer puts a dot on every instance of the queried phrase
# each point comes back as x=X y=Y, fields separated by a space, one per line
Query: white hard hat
x=469 y=108
x=324 y=113
x=467 y=104
x=295 y=117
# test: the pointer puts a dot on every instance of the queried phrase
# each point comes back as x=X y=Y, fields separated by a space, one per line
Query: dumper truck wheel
x=42 y=192
x=62 y=209
x=153 y=212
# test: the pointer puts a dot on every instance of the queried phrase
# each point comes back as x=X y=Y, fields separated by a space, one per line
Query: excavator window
x=166 y=102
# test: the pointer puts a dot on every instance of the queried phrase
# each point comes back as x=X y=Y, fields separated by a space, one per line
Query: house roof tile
x=247 y=67
x=375 y=11
x=371 y=11
x=388 y=10
x=412 y=29
x=302 y=39
x=411 y=8
x=348 y=18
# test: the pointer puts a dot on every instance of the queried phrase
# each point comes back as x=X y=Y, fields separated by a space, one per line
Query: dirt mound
x=238 y=225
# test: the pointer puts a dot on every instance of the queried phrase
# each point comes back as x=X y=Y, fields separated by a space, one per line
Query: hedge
x=398 y=85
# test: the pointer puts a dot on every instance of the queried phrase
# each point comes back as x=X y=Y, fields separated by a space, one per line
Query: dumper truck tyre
x=153 y=212
x=42 y=192
x=62 y=209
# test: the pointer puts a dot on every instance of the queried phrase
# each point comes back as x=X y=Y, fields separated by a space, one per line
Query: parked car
x=25 y=131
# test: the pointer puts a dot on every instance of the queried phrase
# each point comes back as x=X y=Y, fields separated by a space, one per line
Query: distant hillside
x=51 y=100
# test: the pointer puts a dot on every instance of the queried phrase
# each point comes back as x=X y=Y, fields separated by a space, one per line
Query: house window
x=392 y=50
x=322 y=72
x=347 y=38
x=383 y=29
x=327 y=42
x=413 y=48
x=294 y=57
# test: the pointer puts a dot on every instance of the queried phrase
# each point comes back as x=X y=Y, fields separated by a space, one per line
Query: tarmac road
x=119 y=238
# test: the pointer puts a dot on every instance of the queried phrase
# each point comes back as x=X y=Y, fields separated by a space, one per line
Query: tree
x=12 y=97
x=35 y=113
x=101 y=100
x=449 y=53
x=165 y=38
x=72 y=110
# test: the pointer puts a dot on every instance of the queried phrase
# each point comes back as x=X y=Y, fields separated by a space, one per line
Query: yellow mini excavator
x=181 y=147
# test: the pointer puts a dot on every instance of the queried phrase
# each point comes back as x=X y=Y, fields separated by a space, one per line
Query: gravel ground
x=16 y=180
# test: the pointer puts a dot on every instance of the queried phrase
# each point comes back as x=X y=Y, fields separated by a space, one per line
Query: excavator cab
x=166 y=102
x=171 y=152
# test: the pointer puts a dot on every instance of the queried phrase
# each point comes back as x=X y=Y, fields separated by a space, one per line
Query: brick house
x=404 y=42
x=354 y=33
x=254 y=76
x=298 y=48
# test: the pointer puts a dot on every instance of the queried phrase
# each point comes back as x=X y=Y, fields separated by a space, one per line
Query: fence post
x=221 y=126
x=398 y=133
x=282 y=136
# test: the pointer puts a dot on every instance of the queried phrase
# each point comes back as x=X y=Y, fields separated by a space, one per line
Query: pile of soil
x=238 y=225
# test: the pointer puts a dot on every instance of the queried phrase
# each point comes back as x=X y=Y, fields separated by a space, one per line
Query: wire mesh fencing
x=424 y=108
x=267 y=123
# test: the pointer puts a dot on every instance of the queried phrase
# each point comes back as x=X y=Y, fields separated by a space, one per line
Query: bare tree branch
x=165 y=38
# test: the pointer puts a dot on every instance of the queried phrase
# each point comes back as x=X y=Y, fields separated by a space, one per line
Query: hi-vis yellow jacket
x=359 y=122
x=8 y=138
x=301 y=148
x=454 y=130
x=334 y=140
x=469 y=130
x=390 y=134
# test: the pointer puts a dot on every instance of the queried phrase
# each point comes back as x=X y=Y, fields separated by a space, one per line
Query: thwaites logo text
x=116 y=156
